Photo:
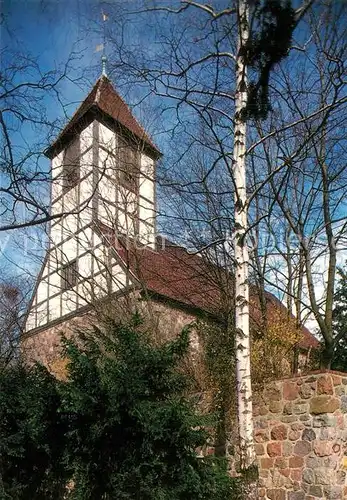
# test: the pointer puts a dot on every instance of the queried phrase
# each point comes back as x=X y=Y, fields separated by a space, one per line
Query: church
x=103 y=242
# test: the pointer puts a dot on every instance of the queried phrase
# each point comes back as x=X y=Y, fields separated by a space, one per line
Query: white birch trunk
x=242 y=335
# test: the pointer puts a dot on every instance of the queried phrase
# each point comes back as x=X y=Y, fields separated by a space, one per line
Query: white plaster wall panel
x=57 y=207
x=45 y=271
x=54 y=283
x=57 y=163
x=107 y=163
x=131 y=207
x=128 y=204
x=55 y=234
x=86 y=138
x=84 y=238
x=147 y=166
x=107 y=138
x=147 y=231
x=86 y=191
x=146 y=204
x=85 y=265
x=107 y=189
x=100 y=257
x=97 y=240
x=56 y=189
x=146 y=211
x=68 y=302
x=103 y=214
x=67 y=234
x=71 y=200
x=55 y=258
x=119 y=278
x=85 y=216
x=98 y=253
x=126 y=224
x=100 y=286
x=69 y=249
x=42 y=290
x=54 y=308
x=57 y=178
x=41 y=314
x=147 y=234
x=107 y=213
x=31 y=320
x=146 y=189
x=70 y=224
x=126 y=196
x=146 y=185
x=86 y=163
x=85 y=293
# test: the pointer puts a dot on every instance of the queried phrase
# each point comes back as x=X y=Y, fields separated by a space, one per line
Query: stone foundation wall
x=301 y=438
x=44 y=346
x=163 y=320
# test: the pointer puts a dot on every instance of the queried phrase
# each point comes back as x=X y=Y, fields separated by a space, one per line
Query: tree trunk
x=298 y=304
x=327 y=355
x=242 y=335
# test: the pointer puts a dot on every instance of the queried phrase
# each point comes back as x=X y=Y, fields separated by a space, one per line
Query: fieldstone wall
x=163 y=319
x=301 y=437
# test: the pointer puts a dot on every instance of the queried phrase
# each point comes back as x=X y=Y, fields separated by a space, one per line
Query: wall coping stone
x=313 y=372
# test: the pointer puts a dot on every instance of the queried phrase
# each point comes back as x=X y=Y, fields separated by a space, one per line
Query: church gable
x=75 y=276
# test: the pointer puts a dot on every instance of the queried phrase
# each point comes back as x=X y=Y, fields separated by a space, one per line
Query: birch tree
x=242 y=336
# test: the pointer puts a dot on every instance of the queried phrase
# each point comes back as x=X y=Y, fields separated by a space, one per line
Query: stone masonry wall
x=45 y=344
x=301 y=437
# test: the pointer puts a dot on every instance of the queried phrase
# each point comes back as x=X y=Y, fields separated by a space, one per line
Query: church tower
x=103 y=183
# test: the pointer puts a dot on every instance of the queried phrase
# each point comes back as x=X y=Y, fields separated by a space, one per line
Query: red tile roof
x=105 y=99
x=177 y=275
x=171 y=272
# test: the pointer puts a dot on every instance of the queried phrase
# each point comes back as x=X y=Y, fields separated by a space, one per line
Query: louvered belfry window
x=69 y=275
x=71 y=165
x=128 y=165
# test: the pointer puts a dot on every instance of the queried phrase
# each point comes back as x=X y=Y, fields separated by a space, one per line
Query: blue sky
x=48 y=32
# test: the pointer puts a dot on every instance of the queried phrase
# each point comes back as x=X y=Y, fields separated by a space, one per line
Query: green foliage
x=219 y=358
x=219 y=348
x=272 y=26
x=125 y=427
x=31 y=435
x=339 y=361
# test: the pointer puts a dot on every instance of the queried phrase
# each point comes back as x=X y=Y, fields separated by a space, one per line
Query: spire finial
x=104 y=58
x=104 y=61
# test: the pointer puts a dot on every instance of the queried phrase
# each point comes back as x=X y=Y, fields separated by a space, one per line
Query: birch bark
x=242 y=336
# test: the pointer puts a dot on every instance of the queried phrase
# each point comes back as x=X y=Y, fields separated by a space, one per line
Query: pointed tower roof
x=104 y=103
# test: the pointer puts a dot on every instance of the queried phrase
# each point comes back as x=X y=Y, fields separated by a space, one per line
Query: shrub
x=118 y=427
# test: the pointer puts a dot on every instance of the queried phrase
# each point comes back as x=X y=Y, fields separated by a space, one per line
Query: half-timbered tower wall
x=99 y=176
